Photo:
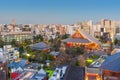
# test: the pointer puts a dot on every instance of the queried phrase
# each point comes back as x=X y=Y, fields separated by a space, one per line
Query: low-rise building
x=10 y=53
x=59 y=73
x=93 y=74
x=40 y=75
x=111 y=67
x=18 y=36
x=74 y=73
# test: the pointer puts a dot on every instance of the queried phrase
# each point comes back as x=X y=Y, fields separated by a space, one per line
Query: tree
x=38 y=38
x=101 y=38
x=77 y=63
x=21 y=50
x=56 y=44
x=9 y=73
x=14 y=43
x=49 y=57
x=40 y=56
x=51 y=41
x=115 y=41
x=27 y=42
x=28 y=49
x=97 y=36
x=1 y=43
x=80 y=50
x=24 y=56
x=65 y=36
x=75 y=51
x=81 y=61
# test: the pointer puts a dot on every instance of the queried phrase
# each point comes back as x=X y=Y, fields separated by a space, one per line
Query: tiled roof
x=39 y=46
x=90 y=37
x=83 y=37
x=112 y=63
x=75 y=73
x=78 y=40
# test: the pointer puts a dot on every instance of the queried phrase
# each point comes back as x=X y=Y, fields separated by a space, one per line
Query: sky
x=58 y=11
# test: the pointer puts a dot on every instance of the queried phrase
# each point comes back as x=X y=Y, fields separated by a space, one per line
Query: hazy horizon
x=57 y=11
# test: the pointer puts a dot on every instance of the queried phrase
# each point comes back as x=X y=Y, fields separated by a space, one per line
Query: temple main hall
x=81 y=38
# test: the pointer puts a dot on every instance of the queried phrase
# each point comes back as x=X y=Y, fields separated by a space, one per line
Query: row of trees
x=37 y=39
x=56 y=43
x=102 y=39
x=38 y=56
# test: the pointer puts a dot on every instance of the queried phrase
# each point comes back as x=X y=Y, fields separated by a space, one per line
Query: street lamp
x=1 y=68
x=28 y=55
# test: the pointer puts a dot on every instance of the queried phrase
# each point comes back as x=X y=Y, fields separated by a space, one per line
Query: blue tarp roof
x=112 y=63
x=17 y=64
x=39 y=46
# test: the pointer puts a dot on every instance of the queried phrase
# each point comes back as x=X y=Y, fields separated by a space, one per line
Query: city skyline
x=58 y=12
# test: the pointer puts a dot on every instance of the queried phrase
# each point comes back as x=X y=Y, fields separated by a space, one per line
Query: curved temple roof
x=81 y=37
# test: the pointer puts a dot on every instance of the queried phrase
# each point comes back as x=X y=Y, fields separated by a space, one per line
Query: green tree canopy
x=65 y=36
x=14 y=43
x=115 y=41
x=1 y=43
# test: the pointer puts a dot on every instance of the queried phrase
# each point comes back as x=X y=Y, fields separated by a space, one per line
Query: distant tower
x=13 y=24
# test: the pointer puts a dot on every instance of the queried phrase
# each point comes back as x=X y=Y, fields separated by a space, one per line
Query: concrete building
x=18 y=36
x=17 y=32
x=111 y=67
x=93 y=74
x=3 y=66
x=10 y=53
x=110 y=26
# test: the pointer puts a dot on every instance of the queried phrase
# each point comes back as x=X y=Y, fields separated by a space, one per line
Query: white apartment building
x=10 y=53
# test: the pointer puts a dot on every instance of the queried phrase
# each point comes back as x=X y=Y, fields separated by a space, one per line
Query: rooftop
x=93 y=70
x=112 y=63
x=75 y=73
x=39 y=46
x=15 y=33
x=89 y=37
x=28 y=75
x=78 y=40
x=81 y=37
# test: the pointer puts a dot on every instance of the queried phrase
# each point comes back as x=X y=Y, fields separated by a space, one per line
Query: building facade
x=3 y=66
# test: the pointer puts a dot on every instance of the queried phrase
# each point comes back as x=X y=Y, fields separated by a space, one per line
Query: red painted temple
x=78 y=39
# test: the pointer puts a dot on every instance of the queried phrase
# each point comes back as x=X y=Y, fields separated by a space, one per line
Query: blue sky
x=58 y=11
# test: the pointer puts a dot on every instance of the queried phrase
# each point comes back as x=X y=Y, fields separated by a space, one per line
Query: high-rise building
x=109 y=26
